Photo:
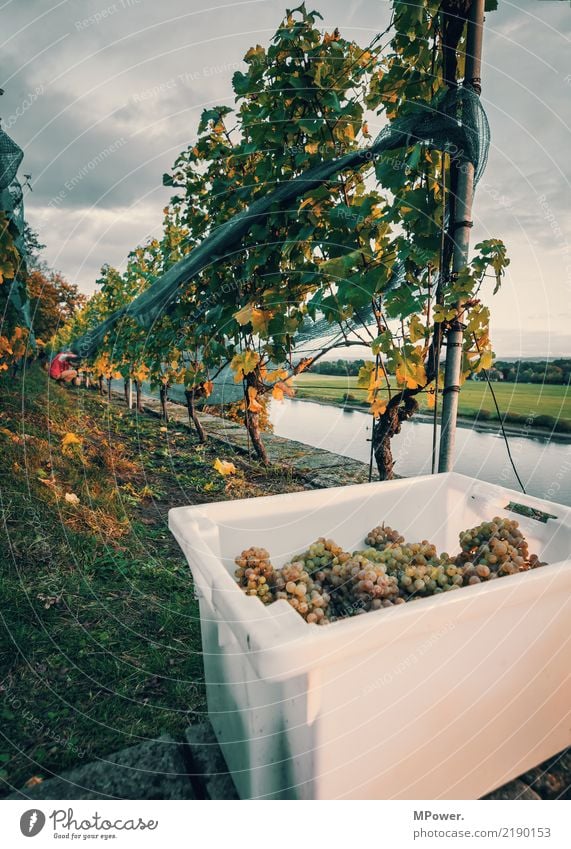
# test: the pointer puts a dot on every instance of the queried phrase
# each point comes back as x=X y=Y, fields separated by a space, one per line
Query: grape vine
x=366 y=237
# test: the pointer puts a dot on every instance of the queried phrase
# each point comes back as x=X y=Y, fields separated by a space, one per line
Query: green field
x=550 y=406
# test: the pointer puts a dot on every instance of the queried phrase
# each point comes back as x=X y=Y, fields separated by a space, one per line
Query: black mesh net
x=455 y=123
x=10 y=158
x=12 y=205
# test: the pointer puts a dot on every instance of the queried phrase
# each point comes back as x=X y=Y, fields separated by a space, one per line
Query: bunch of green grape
x=422 y=579
x=419 y=570
x=322 y=554
x=295 y=584
x=358 y=584
x=255 y=573
x=326 y=583
x=382 y=536
x=494 y=549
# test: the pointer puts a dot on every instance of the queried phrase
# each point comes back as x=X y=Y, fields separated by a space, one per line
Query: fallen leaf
x=33 y=781
x=224 y=467
x=70 y=439
x=71 y=498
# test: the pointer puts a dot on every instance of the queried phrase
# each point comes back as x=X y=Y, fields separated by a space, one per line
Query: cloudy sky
x=103 y=94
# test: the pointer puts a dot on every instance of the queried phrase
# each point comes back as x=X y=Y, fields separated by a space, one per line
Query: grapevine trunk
x=164 y=398
x=400 y=409
x=193 y=416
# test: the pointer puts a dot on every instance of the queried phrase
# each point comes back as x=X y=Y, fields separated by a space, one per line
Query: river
x=544 y=466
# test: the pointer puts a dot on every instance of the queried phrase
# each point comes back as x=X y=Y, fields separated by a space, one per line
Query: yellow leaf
x=410 y=371
x=243 y=364
x=486 y=360
x=70 y=439
x=251 y=314
x=281 y=388
x=253 y=405
x=312 y=147
x=208 y=386
x=416 y=329
x=442 y=314
x=365 y=373
x=141 y=373
x=71 y=498
x=244 y=315
x=378 y=407
x=277 y=374
x=224 y=467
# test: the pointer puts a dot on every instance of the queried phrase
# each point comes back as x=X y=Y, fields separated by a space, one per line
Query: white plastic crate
x=448 y=697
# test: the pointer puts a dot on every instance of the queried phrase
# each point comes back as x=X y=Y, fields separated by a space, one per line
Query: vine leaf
x=243 y=364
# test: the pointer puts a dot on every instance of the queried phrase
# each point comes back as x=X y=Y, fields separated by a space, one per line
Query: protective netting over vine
x=12 y=205
x=10 y=158
x=455 y=123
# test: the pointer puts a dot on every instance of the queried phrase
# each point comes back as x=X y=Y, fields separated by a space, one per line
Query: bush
x=552 y=423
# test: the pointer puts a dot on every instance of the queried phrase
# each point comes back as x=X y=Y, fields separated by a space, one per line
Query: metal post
x=461 y=235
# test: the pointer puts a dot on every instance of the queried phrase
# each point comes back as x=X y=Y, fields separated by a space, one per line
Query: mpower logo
x=32 y=822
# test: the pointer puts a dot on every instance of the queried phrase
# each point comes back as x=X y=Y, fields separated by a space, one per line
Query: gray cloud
x=123 y=83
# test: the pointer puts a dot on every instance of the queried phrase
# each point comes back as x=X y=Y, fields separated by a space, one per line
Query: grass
x=549 y=405
x=99 y=629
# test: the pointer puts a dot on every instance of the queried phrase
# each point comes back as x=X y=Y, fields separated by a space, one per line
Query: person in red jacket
x=60 y=367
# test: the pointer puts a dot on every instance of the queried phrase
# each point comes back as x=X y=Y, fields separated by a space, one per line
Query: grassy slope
x=99 y=630
x=515 y=400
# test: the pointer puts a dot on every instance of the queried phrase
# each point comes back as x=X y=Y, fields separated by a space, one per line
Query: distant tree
x=53 y=301
x=34 y=248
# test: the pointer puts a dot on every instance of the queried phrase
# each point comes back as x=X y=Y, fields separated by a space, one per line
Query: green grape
x=494 y=549
x=325 y=583
x=255 y=573
x=382 y=536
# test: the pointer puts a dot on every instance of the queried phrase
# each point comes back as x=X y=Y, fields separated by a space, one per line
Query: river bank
x=511 y=428
x=541 y=457
x=544 y=409
x=543 y=463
